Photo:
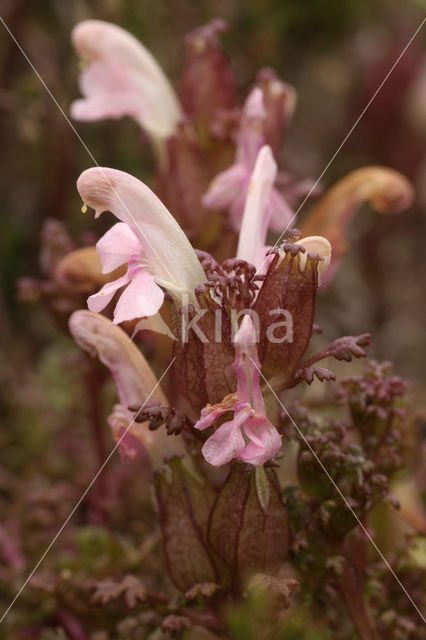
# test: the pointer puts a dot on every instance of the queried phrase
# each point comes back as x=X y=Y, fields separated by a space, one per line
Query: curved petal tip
x=96 y=186
x=319 y=245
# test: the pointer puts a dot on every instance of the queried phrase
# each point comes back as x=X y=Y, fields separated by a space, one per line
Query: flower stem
x=350 y=589
x=94 y=382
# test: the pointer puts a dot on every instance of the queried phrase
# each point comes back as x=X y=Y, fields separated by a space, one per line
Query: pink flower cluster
x=220 y=380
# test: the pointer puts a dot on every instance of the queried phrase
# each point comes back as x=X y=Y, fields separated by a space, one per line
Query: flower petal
x=142 y=297
x=264 y=443
x=236 y=210
x=134 y=379
x=281 y=213
x=129 y=444
x=227 y=442
x=208 y=419
x=247 y=365
x=257 y=210
x=211 y=413
x=99 y=301
x=117 y=246
x=319 y=245
x=229 y=189
x=107 y=95
x=226 y=187
x=251 y=137
x=165 y=247
x=122 y=78
x=280 y=101
x=153 y=323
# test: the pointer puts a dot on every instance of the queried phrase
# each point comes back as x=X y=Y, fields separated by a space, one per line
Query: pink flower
x=122 y=78
x=249 y=436
x=229 y=189
x=257 y=214
x=258 y=210
x=148 y=238
x=130 y=442
x=135 y=383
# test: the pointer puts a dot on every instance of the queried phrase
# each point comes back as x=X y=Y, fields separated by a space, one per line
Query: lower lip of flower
x=135 y=264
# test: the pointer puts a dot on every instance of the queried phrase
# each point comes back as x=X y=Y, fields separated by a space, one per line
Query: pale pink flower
x=135 y=383
x=249 y=436
x=122 y=78
x=229 y=189
x=157 y=252
x=257 y=211
x=257 y=214
x=131 y=445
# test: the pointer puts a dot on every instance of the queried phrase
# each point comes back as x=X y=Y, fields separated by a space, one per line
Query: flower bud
x=80 y=270
x=207 y=84
x=280 y=100
x=285 y=307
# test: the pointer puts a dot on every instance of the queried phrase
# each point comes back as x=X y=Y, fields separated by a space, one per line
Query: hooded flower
x=135 y=383
x=121 y=79
x=148 y=239
x=248 y=436
x=257 y=210
x=257 y=214
x=387 y=191
x=229 y=189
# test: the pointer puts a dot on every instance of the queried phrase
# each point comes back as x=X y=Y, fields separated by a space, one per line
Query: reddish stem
x=94 y=382
x=349 y=585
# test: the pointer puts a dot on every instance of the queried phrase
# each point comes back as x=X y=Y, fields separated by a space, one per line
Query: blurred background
x=334 y=53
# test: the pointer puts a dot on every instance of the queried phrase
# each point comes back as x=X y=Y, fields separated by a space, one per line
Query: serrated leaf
x=348 y=347
x=109 y=590
x=309 y=373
